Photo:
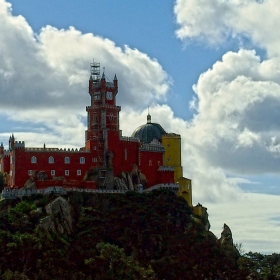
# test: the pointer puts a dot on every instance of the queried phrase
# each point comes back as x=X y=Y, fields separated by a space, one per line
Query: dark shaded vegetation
x=120 y=236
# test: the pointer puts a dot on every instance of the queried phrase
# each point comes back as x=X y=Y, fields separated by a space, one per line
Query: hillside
x=111 y=236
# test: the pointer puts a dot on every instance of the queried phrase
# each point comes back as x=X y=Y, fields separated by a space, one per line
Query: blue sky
x=208 y=70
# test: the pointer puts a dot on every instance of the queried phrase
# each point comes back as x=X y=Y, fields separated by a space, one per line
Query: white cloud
x=52 y=68
x=253 y=220
x=237 y=105
x=215 y=21
x=44 y=77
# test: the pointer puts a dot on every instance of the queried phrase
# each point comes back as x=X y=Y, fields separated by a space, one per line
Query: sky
x=207 y=69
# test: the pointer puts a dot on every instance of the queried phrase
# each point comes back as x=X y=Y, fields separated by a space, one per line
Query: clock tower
x=102 y=114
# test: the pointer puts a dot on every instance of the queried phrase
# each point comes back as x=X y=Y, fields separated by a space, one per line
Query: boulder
x=29 y=184
x=60 y=216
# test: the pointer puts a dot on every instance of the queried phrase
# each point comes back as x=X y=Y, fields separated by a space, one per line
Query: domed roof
x=149 y=131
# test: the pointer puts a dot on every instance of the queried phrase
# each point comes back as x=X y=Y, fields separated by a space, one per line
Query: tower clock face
x=109 y=95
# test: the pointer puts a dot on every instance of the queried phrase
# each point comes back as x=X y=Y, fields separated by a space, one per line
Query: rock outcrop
x=226 y=236
x=226 y=240
x=29 y=184
x=60 y=217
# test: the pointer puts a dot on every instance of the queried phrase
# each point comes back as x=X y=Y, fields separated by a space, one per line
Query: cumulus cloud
x=236 y=125
x=48 y=72
x=44 y=77
x=216 y=21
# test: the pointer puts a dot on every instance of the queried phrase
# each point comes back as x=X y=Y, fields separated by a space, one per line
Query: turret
x=149 y=118
x=103 y=81
x=1 y=149
x=116 y=83
x=11 y=142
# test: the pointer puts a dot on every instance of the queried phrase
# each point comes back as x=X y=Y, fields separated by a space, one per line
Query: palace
x=150 y=158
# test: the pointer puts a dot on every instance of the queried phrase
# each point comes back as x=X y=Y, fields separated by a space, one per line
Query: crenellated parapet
x=130 y=139
x=152 y=148
x=14 y=193
x=61 y=150
x=103 y=106
x=6 y=153
x=166 y=169
x=19 y=145
x=171 y=186
x=171 y=135
x=98 y=84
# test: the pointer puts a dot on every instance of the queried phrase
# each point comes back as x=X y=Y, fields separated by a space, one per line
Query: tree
x=113 y=263
x=2 y=180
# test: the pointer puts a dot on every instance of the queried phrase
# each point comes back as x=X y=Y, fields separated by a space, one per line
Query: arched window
x=150 y=163
x=82 y=160
x=33 y=160
x=51 y=160
x=67 y=160
x=111 y=117
x=158 y=163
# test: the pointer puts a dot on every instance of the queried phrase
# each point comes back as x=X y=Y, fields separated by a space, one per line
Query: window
x=95 y=119
x=67 y=160
x=94 y=159
x=125 y=154
x=30 y=172
x=150 y=163
x=51 y=160
x=82 y=160
x=94 y=147
x=111 y=117
x=33 y=160
x=11 y=160
x=53 y=172
x=158 y=163
x=79 y=172
x=66 y=173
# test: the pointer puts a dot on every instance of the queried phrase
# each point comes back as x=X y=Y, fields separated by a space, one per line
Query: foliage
x=3 y=177
x=120 y=236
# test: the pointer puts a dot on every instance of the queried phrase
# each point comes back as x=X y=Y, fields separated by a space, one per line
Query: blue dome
x=149 y=131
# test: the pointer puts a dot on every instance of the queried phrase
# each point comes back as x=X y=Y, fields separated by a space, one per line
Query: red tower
x=103 y=114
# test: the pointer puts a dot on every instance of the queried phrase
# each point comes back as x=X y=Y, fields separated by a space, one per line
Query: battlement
x=166 y=168
x=171 y=186
x=103 y=106
x=97 y=84
x=56 y=150
x=152 y=148
x=14 y=193
x=130 y=139
x=171 y=135
x=19 y=144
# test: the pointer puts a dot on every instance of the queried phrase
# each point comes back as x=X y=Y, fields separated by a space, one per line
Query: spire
x=115 y=78
x=103 y=76
x=149 y=118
